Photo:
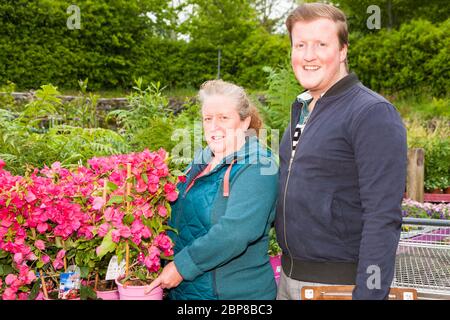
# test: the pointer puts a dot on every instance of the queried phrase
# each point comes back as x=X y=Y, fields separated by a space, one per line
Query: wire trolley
x=423 y=258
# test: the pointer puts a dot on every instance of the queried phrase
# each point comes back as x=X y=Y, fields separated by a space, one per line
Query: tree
x=394 y=12
x=272 y=13
x=220 y=23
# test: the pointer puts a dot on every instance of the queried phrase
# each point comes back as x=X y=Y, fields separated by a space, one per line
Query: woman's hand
x=169 y=278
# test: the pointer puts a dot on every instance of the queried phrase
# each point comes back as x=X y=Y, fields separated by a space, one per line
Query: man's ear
x=343 y=53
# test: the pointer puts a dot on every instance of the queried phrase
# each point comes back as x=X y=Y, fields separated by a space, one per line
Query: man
x=342 y=168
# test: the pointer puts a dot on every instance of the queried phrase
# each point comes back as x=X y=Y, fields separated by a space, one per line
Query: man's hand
x=169 y=278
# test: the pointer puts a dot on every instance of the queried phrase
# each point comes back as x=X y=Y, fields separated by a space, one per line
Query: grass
x=412 y=104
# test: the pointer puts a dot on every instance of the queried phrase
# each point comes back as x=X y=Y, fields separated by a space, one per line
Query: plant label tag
x=115 y=269
x=69 y=285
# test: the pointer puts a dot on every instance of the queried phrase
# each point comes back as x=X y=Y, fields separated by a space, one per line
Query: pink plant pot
x=44 y=298
x=138 y=292
x=275 y=262
x=108 y=295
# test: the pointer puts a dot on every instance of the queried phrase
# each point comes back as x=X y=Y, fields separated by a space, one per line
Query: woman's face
x=224 y=129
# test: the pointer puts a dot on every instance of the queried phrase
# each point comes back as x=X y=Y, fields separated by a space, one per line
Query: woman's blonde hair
x=244 y=106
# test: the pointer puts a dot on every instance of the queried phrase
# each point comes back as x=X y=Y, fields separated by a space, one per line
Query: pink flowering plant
x=55 y=216
x=136 y=211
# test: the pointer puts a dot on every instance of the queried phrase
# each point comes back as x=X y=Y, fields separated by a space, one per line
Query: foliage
x=410 y=59
x=423 y=106
x=54 y=216
x=434 y=137
x=394 y=13
x=274 y=248
x=282 y=89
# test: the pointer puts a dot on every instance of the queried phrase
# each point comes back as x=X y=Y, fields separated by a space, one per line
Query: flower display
x=49 y=218
x=414 y=209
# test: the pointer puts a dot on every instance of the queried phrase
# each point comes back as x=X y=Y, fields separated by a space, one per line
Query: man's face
x=317 y=60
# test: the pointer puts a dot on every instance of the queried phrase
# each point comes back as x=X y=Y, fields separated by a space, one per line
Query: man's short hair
x=312 y=11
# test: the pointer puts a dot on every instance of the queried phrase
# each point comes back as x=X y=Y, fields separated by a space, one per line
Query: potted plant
x=134 y=222
x=55 y=219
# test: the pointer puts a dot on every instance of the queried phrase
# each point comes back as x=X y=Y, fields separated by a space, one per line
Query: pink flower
x=42 y=227
x=162 y=211
x=45 y=259
x=10 y=279
x=148 y=213
x=103 y=229
x=108 y=214
x=162 y=241
x=40 y=296
x=98 y=203
x=125 y=231
x=58 y=264
x=146 y=233
x=18 y=257
x=152 y=188
x=39 y=244
x=9 y=294
x=30 y=197
x=169 y=187
x=61 y=253
x=115 y=235
x=140 y=185
x=23 y=296
x=172 y=196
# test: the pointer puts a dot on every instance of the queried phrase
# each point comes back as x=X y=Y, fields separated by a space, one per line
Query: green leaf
x=58 y=242
x=144 y=177
x=177 y=173
x=5 y=269
x=166 y=227
x=19 y=219
x=84 y=272
x=128 y=219
x=87 y=292
x=40 y=264
x=115 y=200
x=107 y=245
x=111 y=186
x=34 y=290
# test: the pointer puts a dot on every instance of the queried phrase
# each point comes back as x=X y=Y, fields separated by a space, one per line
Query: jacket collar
x=342 y=85
x=250 y=148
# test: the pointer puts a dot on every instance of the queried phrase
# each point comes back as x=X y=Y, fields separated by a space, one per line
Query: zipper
x=291 y=160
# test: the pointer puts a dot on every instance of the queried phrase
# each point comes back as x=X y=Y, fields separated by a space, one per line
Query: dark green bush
x=413 y=58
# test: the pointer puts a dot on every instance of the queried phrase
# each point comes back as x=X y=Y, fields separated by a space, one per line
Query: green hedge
x=411 y=58
x=116 y=45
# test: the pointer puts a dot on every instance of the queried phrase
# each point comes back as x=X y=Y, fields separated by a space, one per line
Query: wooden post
x=96 y=281
x=44 y=286
x=128 y=190
x=127 y=259
x=415 y=174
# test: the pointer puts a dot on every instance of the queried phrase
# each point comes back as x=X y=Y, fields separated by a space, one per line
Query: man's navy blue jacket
x=339 y=209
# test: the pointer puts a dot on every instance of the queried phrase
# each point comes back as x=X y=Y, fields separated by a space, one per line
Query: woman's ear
x=246 y=123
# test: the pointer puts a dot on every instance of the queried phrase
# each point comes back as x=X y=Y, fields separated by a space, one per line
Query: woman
x=225 y=208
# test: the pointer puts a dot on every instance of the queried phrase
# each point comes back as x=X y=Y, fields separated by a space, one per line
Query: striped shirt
x=305 y=98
